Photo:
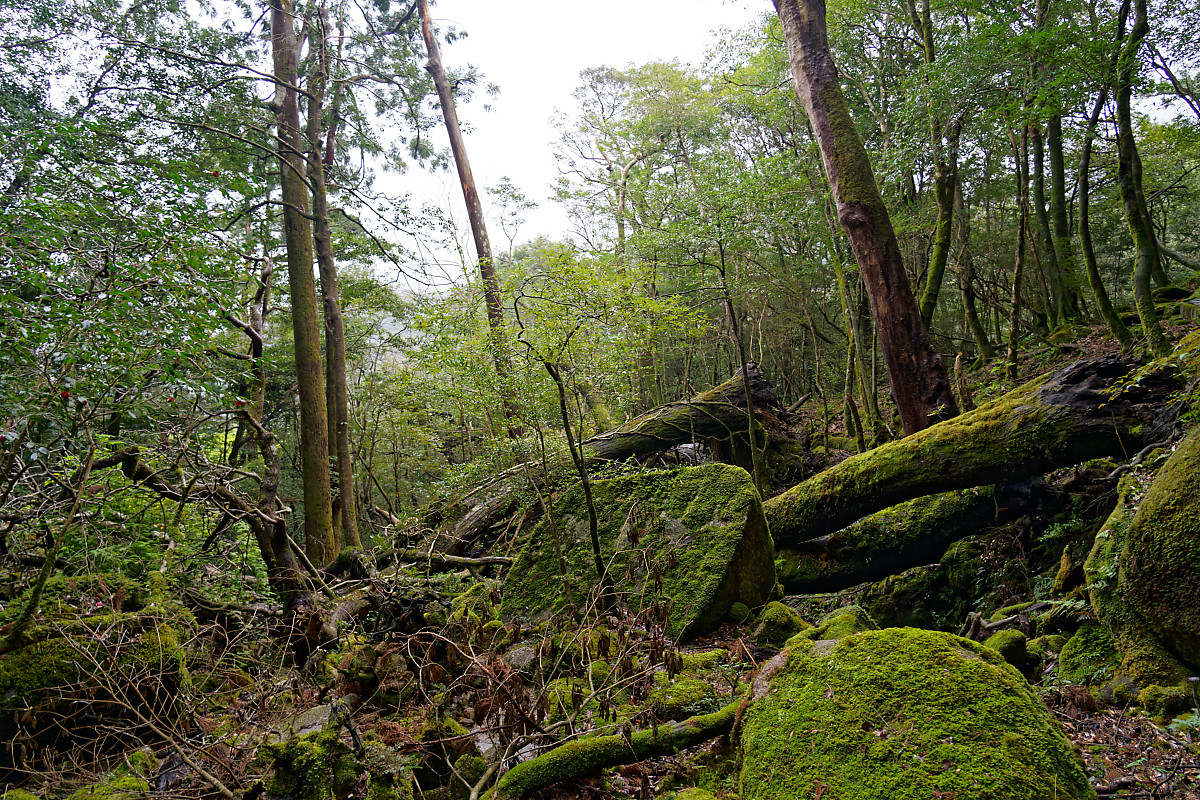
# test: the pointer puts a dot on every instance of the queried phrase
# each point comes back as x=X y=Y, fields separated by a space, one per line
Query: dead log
x=591 y=754
x=899 y=538
x=715 y=416
x=1078 y=413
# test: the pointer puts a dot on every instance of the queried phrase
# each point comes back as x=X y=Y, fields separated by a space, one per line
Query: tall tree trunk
x=1021 y=153
x=966 y=277
x=319 y=539
x=1110 y=315
x=1129 y=177
x=1043 y=239
x=337 y=399
x=483 y=246
x=944 y=180
x=1064 y=250
x=920 y=385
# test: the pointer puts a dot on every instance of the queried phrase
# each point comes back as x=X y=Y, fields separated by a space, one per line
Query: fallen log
x=899 y=538
x=1078 y=413
x=717 y=415
x=593 y=753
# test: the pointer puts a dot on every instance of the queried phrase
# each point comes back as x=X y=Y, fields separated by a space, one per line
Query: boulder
x=694 y=541
x=902 y=714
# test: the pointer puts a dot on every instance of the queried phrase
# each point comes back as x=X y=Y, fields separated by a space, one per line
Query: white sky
x=534 y=50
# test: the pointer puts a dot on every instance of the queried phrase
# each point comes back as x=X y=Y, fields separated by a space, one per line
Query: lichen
x=903 y=714
x=694 y=541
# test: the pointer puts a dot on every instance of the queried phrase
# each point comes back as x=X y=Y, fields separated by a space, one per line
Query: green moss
x=903 y=714
x=694 y=794
x=1160 y=559
x=1163 y=703
x=921 y=597
x=683 y=698
x=740 y=613
x=776 y=624
x=700 y=530
x=18 y=794
x=445 y=742
x=840 y=622
x=124 y=787
x=1088 y=657
x=696 y=662
x=1012 y=645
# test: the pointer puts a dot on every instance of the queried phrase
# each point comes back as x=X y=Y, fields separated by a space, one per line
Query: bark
x=314 y=434
x=945 y=180
x=337 y=395
x=1129 y=178
x=1043 y=239
x=483 y=246
x=1111 y=318
x=593 y=753
x=920 y=386
x=1014 y=323
x=1055 y=421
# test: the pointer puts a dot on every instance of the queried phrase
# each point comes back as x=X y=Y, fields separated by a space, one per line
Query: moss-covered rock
x=700 y=531
x=921 y=597
x=1160 y=559
x=682 y=698
x=1088 y=657
x=902 y=714
x=1012 y=645
x=120 y=787
x=320 y=766
x=18 y=794
x=776 y=624
x=443 y=742
x=838 y=623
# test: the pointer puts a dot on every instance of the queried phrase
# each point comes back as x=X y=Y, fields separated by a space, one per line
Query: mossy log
x=1078 y=413
x=591 y=754
x=907 y=535
x=717 y=415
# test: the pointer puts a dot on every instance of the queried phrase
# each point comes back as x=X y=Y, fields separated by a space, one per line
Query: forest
x=845 y=445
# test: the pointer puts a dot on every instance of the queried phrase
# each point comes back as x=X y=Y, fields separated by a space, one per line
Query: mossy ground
x=693 y=540
x=903 y=714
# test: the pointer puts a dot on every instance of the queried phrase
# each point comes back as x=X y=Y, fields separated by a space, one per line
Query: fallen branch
x=594 y=753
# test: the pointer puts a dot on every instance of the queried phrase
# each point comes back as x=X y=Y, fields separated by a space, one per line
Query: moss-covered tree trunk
x=1129 y=178
x=1054 y=421
x=920 y=385
x=319 y=540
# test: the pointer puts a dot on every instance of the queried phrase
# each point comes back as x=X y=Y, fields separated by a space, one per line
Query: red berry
x=64 y=394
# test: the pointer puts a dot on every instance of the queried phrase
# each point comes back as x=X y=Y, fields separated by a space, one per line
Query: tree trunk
x=1055 y=421
x=1129 y=178
x=1043 y=239
x=944 y=181
x=920 y=386
x=1065 y=252
x=1020 y=153
x=966 y=278
x=1110 y=315
x=319 y=540
x=337 y=395
x=483 y=246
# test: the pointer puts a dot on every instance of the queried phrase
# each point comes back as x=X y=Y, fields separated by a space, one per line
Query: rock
x=901 y=713
x=1088 y=657
x=305 y=722
x=776 y=624
x=683 y=698
x=522 y=658
x=840 y=622
x=1012 y=645
x=693 y=540
x=320 y=766
x=121 y=787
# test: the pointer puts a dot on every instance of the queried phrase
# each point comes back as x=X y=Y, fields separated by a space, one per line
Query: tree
x=920 y=386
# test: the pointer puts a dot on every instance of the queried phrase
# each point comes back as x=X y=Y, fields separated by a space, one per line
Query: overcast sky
x=534 y=50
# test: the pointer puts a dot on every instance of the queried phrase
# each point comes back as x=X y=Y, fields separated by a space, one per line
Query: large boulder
x=900 y=714
x=693 y=540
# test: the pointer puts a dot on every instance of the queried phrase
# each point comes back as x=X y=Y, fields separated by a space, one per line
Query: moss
x=1088 y=657
x=18 y=794
x=1143 y=658
x=493 y=635
x=1012 y=645
x=840 y=622
x=1163 y=703
x=683 y=698
x=695 y=662
x=921 y=597
x=700 y=531
x=72 y=596
x=1160 y=559
x=906 y=535
x=903 y=714
x=444 y=742
x=123 y=787
x=694 y=794
x=740 y=613
x=777 y=623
